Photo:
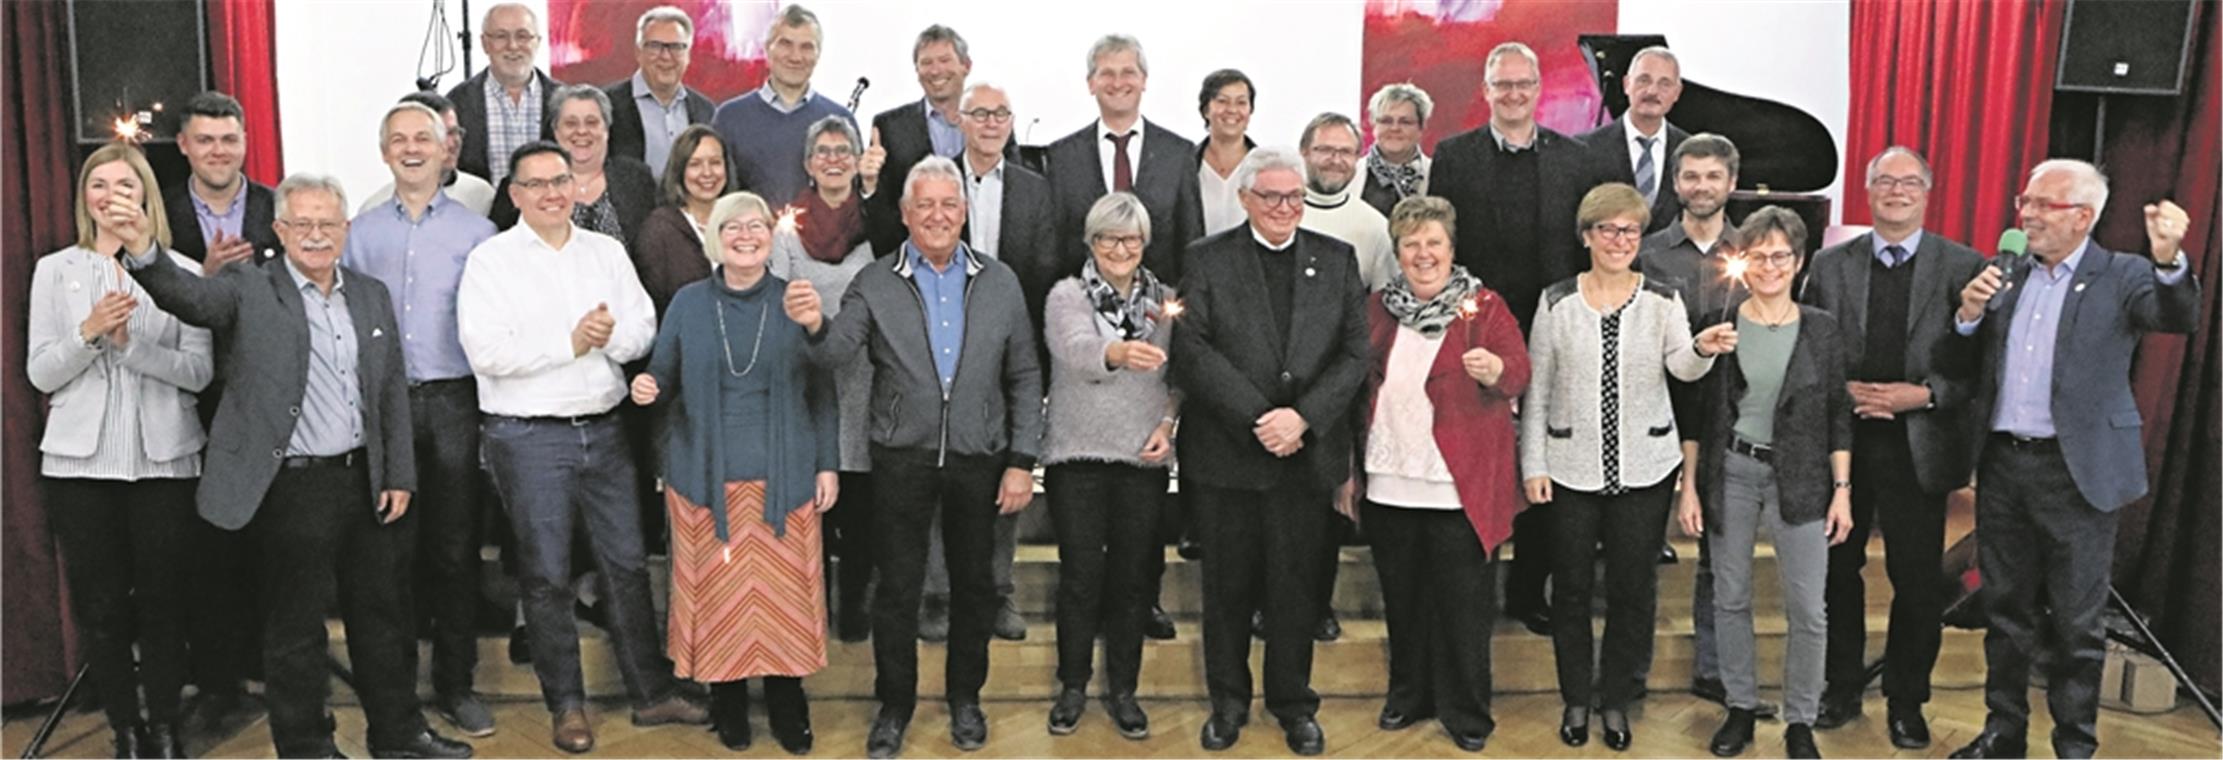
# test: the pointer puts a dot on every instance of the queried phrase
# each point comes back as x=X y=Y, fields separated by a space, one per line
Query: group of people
x=1560 y=342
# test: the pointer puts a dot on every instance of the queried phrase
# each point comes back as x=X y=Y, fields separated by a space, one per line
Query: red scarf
x=829 y=233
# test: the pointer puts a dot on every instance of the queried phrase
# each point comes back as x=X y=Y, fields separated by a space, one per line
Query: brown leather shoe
x=572 y=733
x=676 y=708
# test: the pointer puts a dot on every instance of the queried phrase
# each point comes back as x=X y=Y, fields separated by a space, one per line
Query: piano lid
x=1780 y=146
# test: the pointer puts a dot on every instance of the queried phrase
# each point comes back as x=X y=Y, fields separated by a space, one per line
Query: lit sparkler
x=127 y=130
x=1172 y=308
x=790 y=220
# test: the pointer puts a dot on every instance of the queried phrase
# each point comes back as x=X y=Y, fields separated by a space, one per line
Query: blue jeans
x=557 y=476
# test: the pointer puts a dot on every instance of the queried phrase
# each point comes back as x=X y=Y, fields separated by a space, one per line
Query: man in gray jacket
x=956 y=426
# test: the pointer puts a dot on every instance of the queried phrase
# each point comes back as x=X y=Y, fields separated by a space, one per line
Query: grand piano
x=1788 y=156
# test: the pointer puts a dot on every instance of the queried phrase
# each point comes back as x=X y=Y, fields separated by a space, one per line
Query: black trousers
x=124 y=547
x=1886 y=497
x=1106 y=516
x=224 y=621
x=1176 y=520
x=1439 y=592
x=2040 y=544
x=1261 y=552
x=444 y=418
x=849 y=540
x=320 y=539
x=910 y=492
x=1630 y=526
x=1532 y=564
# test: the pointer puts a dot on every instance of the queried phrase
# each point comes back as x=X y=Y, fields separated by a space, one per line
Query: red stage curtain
x=36 y=200
x=244 y=48
x=1969 y=85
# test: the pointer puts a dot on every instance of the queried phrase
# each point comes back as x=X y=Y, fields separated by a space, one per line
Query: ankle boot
x=729 y=713
x=789 y=712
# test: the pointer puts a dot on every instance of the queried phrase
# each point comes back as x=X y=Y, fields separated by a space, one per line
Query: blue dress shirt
x=421 y=261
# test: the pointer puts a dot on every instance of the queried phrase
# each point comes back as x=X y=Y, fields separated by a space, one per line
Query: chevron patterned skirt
x=755 y=606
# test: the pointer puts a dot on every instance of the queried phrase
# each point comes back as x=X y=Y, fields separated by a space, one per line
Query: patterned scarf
x=1432 y=316
x=1134 y=314
x=829 y=233
x=1405 y=177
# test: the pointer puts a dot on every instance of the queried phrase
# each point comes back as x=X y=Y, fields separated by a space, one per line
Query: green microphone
x=2013 y=245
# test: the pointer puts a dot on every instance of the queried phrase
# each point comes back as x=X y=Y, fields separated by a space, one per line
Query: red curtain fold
x=1967 y=84
x=243 y=58
x=35 y=199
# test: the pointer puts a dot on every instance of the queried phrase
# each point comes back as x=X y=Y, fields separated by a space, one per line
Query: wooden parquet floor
x=1668 y=725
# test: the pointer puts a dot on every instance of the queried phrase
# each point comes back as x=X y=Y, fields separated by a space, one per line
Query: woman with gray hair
x=749 y=461
x=1107 y=447
x=1395 y=167
x=610 y=194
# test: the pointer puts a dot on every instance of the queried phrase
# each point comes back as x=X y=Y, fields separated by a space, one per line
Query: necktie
x=1896 y=254
x=1645 y=181
x=1123 y=171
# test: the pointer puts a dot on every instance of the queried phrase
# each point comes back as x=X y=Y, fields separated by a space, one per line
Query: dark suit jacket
x=627 y=137
x=262 y=321
x=903 y=135
x=1610 y=144
x=470 y=112
x=1232 y=367
x=1566 y=170
x=1027 y=241
x=187 y=237
x=1838 y=283
x=631 y=188
x=1165 y=180
x=2114 y=301
x=1813 y=418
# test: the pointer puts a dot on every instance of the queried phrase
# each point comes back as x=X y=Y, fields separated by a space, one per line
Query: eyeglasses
x=1399 y=123
x=1778 y=260
x=833 y=152
x=315 y=226
x=537 y=184
x=1129 y=242
x=1284 y=200
x=1515 y=84
x=752 y=226
x=1888 y=184
x=668 y=49
x=1334 y=152
x=1620 y=231
x=2026 y=202
x=985 y=116
x=591 y=124
x=504 y=39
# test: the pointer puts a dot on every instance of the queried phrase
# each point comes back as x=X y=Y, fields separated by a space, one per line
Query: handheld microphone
x=1026 y=138
x=857 y=95
x=2013 y=245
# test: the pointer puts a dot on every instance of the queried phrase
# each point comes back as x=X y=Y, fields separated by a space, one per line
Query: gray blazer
x=993 y=409
x=2116 y=299
x=175 y=357
x=260 y=319
x=1837 y=282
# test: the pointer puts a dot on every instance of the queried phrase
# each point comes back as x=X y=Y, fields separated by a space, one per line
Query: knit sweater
x=1096 y=413
x=1344 y=217
x=1562 y=415
x=767 y=145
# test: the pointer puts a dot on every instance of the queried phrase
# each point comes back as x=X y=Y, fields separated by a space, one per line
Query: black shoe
x=1189 y=549
x=1988 y=744
x=1470 y=742
x=1735 y=734
x=1837 y=712
x=729 y=714
x=1908 y=729
x=1258 y=624
x=1536 y=619
x=1128 y=717
x=161 y=740
x=886 y=738
x=968 y=727
x=1304 y=736
x=425 y=744
x=1616 y=739
x=1798 y=742
x=1158 y=625
x=127 y=741
x=1222 y=729
x=1667 y=553
x=1709 y=689
x=1393 y=719
x=1328 y=629
x=1065 y=714
x=1009 y=626
x=1572 y=732
x=520 y=647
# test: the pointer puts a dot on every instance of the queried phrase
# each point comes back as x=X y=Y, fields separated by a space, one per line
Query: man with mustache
x=764 y=129
x=467 y=189
x=313 y=463
x=649 y=110
x=1332 y=206
x=501 y=109
x=1637 y=147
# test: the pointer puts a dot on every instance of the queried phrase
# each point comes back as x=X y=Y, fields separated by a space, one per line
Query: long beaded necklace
x=763 y=312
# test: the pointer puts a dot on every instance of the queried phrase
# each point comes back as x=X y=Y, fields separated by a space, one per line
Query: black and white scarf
x=1404 y=177
x=1432 y=316
x=1131 y=314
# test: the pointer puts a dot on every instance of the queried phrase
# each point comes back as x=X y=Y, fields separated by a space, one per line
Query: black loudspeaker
x=134 y=62
x=2133 y=47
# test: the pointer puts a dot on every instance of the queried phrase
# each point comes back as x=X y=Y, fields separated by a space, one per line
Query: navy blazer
x=1165 y=180
x=258 y=316
x=2115 y=299
x=628 y=138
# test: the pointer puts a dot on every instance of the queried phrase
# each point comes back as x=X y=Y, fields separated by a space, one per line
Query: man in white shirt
x=1331 y=200
x=548 y=312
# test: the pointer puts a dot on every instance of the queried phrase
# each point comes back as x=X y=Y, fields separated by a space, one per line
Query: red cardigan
x=1473 y=424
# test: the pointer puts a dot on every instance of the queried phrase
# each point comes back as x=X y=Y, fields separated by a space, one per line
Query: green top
x=1763 y=354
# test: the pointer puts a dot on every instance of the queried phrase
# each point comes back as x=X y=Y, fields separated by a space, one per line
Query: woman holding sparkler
x=1598 y=443
x=1439 y=486
x=122 y=449
x=1775 y=450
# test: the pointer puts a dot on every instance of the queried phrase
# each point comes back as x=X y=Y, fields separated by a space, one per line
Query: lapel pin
x=75 y=286
x=375 y=332
x=1309 y=271
x=2080 y=287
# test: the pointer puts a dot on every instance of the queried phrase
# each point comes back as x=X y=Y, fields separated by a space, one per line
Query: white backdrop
x=341 y=63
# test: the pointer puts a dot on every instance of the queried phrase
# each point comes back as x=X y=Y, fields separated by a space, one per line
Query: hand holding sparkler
x=1481 y=365
x=1717 y=340
x=803 y=306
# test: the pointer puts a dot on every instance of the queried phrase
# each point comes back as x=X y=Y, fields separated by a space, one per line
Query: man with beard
x=501 y=108
x=1331 y=201
x=1637 y=145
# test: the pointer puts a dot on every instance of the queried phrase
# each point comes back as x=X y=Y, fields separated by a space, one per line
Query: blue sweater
x=767 y=146
x=689 y=365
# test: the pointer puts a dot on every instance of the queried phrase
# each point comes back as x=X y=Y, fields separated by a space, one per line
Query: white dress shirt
x=1105 y=151
x=517 y=306
x=983 y=207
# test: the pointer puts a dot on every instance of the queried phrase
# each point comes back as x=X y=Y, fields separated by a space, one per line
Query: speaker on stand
x=2124 y=47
